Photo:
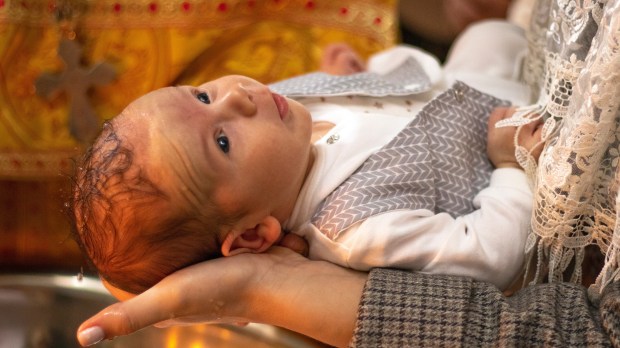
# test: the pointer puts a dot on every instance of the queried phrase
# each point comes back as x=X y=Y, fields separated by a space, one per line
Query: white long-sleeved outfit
x=486 y=244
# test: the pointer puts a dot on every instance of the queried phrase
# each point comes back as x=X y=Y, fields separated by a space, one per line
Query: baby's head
x=186 y=174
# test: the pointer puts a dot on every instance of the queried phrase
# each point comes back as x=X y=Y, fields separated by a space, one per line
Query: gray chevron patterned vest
x=438 y=162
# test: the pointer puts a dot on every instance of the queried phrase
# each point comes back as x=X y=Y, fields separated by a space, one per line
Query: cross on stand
x=76 y=80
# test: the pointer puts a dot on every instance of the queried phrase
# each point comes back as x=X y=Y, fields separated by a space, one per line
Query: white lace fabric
x=573 y=68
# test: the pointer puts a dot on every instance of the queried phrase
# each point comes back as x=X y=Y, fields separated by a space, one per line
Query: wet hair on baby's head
x=128 y=228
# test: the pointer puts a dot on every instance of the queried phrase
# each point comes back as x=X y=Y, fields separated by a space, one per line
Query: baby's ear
x=252 y=240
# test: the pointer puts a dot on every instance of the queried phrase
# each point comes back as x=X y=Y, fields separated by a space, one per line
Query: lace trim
x=575 y=62
x=521 y=117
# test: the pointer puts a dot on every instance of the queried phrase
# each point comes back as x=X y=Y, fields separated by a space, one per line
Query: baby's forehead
x=147 y=126
x=157 y=126
x=130 y=126
x=141 y=114
x=163 y=105
x=144 y=106
x=134 y=134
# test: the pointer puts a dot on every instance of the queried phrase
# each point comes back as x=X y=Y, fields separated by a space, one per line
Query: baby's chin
x=120 y=295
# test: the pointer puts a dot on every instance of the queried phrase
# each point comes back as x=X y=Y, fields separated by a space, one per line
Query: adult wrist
x=265 y=292
x=315 y=298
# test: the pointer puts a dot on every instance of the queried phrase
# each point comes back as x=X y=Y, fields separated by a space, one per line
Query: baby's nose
x=240 y=99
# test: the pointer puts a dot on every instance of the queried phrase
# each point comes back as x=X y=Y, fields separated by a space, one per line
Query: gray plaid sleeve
x=610 y=312
x=404 y=309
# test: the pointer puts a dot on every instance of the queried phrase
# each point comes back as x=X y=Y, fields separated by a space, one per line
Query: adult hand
x=278 y=287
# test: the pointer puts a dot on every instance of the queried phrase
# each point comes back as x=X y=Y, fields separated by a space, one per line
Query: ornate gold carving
x=155 y=43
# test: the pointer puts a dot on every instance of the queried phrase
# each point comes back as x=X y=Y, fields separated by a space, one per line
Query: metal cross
x=76 y=80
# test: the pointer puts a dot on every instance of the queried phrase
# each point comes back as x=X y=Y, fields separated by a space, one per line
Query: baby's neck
x=319 y=129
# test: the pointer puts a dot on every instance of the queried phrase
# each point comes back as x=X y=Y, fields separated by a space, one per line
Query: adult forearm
x=411 y=309
x=315 y=298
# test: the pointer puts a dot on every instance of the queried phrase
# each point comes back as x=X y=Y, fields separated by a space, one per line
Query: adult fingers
x=154 y=305
x=166 y=300
x=122 y=318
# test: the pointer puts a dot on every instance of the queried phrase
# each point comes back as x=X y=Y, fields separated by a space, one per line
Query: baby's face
x=232 y=137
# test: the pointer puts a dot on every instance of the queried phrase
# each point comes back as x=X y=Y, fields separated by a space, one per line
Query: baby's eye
x=223 y=143
x=203 y=97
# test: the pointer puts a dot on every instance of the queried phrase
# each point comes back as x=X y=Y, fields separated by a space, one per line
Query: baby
x=186 y=174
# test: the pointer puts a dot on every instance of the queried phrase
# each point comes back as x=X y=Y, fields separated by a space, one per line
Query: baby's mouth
x=281 y=104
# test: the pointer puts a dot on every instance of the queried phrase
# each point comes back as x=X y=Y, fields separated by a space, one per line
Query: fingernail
x=90 y=336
